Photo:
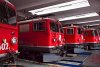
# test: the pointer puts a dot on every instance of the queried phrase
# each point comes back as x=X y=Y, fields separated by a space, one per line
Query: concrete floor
x=92 y=60
x=25 y=63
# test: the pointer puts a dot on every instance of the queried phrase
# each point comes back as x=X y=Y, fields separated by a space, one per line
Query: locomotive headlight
x=14 y=40
x=82 y=37
x=54 y=40
x=78 y=40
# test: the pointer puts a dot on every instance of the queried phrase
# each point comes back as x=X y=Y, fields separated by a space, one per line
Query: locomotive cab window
x=79 y=31
x=94 y=33
x=7 y=14
x=54 y=27
x=86 y=33
x=70 y=31
x=39 y=26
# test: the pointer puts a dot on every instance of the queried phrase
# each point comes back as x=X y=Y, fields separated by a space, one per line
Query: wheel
x=88 y=47
x=39 y=57
x=70 y=49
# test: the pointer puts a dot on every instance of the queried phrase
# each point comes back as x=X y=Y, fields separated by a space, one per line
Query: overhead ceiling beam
x=40 y=4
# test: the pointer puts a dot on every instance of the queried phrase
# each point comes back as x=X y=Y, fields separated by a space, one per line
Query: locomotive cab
x=91 y=38
x=8 y=30
x=73 y=36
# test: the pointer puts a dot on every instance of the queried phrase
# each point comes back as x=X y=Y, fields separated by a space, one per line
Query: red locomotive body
x=91 y=37
x=40 y=35
x=73 y=36
x=8 y=30
x=43 y=34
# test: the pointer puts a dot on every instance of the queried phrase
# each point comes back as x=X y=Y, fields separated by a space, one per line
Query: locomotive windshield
x=94 y=33
x=7 y=14
x=70 y=31
x=54 y=27
x=79 y=31
x=86 y=33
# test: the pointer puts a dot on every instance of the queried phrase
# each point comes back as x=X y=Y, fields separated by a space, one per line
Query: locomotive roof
x=70 y=26
x=90 y=29
x=8 y=2
x=38 y=19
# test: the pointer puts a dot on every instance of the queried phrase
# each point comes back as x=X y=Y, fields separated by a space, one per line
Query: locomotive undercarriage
x=7 y=59
x=41 y=54
x=89 y=46
x=70 y=48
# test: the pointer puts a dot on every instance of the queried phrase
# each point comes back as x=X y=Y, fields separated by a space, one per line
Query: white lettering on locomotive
x=4 y=46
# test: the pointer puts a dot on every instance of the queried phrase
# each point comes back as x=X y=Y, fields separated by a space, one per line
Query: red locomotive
x=42 y=35
x=73 y=36
x=91 y=37
x=99 y=35
x=8 y=31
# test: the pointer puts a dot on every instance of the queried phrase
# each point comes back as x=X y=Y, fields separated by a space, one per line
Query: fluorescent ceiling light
x=88 y=21
x=61 y=7
x=79 y=16
x=93 y=24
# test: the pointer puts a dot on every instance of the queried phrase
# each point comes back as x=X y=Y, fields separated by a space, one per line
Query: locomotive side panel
x=31 y=37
